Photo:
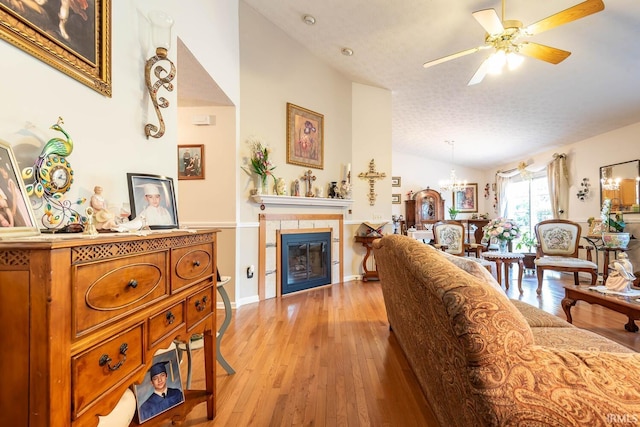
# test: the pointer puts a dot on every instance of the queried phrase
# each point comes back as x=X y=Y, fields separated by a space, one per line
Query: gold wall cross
x=372 y=176
x=308 y=178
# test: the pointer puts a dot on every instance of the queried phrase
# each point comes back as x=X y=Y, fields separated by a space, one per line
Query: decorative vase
x=261 y=184
x=615 y=240
x=503 y=245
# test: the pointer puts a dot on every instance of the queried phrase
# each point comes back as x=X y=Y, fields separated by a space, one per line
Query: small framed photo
x=396 y=181
x=153 y=197
x=395 y=199
x=466 y=199
x=190 y=162
x=161 y=388
x=305 y=137
x=16 y=215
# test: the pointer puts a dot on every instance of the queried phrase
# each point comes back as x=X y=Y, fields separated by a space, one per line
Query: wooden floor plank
x=326 y=357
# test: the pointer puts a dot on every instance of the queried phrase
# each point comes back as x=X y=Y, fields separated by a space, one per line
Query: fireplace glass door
x=306 y=261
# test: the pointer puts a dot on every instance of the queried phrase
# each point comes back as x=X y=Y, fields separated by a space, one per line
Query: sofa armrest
x=573 y=388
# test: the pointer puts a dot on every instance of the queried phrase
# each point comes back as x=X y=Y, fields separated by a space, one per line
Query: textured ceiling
x=505 y=118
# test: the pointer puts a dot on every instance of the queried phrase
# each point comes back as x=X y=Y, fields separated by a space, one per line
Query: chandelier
x=452 y=184
x=610 y=184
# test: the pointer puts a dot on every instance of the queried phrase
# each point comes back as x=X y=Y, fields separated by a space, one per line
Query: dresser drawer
x=168 y=320
x=106 y=290
x=190 y=265
x=199 y=306
x=96 y=370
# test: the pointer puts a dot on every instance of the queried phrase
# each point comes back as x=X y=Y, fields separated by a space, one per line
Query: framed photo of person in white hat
x=161 y=389
x=152 y=198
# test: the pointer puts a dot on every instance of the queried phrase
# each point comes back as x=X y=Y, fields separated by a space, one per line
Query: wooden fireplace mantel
x=265 y=200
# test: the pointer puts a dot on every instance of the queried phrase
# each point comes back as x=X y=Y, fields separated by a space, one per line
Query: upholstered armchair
x=449 y=236
x=558 y=244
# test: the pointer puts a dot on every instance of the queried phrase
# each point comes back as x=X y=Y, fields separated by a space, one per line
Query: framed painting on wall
x=305 y=137
x=466 y=199
x=396 y=181
x=395 y=199
x=153 y=197
x=190 y=162
x=75 y=40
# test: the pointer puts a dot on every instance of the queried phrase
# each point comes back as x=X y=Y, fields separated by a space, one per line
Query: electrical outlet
x=250 y=271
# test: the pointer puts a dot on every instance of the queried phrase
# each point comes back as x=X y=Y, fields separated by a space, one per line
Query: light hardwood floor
x=326 y=358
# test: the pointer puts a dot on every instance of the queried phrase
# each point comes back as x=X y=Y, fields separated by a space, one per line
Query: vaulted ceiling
x=506 y=118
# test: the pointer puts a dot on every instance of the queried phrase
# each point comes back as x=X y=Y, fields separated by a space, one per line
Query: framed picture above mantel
x=78 y=45
x=305 y=137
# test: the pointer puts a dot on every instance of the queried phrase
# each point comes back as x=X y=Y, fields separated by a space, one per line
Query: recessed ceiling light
x=309 y=20
x=346 y=51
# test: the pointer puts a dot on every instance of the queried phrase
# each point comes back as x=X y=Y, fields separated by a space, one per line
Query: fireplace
x=306 y=260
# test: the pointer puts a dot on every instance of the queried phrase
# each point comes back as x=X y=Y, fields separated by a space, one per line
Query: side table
x=506 y=258
x=367 y=241
x=196 y=341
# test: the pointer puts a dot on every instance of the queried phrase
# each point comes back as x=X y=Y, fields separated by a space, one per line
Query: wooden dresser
x=84 y=316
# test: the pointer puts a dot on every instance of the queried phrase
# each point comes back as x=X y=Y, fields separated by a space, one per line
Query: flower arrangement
x=260 y=163
x=501 y=229
x=613 y=224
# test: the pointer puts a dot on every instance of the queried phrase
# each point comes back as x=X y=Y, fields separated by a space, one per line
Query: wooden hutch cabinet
x=84 y=316
x=426 y=207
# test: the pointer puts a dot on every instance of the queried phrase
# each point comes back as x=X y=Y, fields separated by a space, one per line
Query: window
x=528 y=203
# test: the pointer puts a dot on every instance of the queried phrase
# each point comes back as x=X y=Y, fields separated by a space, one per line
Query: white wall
x=418 y=173
x=109 y=132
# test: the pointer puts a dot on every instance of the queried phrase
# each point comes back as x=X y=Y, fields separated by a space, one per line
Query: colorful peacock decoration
x=50 y=178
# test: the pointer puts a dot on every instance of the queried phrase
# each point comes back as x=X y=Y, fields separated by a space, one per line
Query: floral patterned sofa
x=485 y=360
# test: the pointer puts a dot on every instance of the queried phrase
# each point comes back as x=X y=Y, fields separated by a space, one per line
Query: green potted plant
x=528 y=241
x=453 y=212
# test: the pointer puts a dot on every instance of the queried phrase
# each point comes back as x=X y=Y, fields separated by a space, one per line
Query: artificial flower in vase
x=260 y=165
x=503 y=230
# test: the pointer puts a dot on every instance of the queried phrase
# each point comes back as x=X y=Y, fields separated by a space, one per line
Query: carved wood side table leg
x=567 y=303
x=520 y=272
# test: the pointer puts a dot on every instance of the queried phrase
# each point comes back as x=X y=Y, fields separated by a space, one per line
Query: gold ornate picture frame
x=78 y=45
x=305 y=137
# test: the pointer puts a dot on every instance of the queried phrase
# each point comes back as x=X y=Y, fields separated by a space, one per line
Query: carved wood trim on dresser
x=67 y=302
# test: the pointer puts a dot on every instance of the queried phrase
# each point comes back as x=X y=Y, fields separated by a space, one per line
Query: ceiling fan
x=505 y=37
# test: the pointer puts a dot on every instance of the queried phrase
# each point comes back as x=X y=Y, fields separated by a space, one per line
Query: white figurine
x=621 y=278
x=103 y=219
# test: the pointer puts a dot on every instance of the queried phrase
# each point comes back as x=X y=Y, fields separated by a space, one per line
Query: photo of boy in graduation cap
x=161 y=389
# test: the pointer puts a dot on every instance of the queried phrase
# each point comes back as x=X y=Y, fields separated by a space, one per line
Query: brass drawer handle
x=133 y=283
x=170 y=317
x=196 y=263
x=106 y=360
x=201 y=304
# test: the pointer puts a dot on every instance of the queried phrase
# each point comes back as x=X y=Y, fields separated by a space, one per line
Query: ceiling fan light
x=496 y=62
x=514 y=60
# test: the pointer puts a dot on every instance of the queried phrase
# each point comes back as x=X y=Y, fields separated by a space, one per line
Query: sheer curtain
x=558 y=178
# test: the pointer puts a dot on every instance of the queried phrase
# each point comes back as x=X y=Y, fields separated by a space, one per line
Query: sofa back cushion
x=453 y=327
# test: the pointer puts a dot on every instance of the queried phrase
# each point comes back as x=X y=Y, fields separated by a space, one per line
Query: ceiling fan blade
x=489 y=20
x=453 y=56
x=480 y=73
x=542 y=52
x=578 y=11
